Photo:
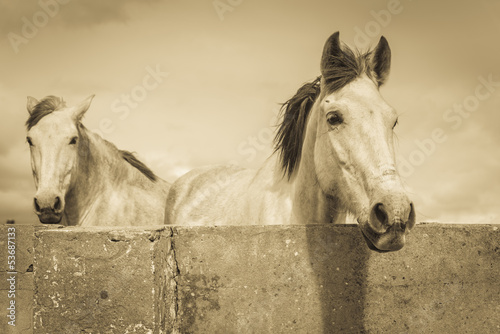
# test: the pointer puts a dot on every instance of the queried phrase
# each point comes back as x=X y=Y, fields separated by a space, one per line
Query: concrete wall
x=265 y=279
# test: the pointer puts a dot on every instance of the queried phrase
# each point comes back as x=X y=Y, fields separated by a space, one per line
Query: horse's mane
x=131 y=159
x=290 y=135
x=45 y=106
x=340 y=70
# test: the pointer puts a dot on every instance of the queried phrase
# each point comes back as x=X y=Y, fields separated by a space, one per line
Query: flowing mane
x=131 y=159
x=290 y=135
x=46 y=106
x=338 y=71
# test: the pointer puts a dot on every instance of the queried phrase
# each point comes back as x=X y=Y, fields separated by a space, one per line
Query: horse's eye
x=395 y=123
x=334 y=118
x=28 y=139
x=73 y=140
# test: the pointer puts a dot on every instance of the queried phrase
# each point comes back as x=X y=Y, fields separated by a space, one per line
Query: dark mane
x=340 y=71
x=44 y=107
x=290 y=135
x=131 y=159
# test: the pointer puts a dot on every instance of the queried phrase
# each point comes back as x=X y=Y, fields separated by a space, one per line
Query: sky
x=190 y=83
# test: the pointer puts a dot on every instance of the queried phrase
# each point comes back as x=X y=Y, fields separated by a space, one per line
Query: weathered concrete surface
x=266 y=279
x=446 y=281
x=101 y=280
x=323 y=279
x=23 y=278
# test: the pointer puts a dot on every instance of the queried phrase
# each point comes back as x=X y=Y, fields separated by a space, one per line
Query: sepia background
x=190 y=83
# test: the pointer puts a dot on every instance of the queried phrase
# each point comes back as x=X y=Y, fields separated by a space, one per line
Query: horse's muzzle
x=48 y=216
x=392 y=240
x=386 y=232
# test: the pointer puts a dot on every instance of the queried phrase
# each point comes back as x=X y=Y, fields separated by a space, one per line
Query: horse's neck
x=99 y=168
x=310 y=204
x=298 y=200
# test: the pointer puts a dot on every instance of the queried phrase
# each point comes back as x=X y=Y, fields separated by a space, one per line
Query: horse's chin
x=50 y=218
x=392 y=240
x=370 y=244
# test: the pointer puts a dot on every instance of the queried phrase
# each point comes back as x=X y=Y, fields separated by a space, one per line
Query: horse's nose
x=389 y=221
x=51 y=203
x=392 y=211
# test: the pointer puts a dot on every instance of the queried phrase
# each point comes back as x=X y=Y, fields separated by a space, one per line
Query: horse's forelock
x=344 y=67
x=44 y=107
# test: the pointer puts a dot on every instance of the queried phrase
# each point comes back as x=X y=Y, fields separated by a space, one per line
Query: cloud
x=69 y=13
x=15 y=167
x=17 y=205
x=465 y=196
x=16 y=185
x=458 y=182
x=12 y=130
x=91 y=12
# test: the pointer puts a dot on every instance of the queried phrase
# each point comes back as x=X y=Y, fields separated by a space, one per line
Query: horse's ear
x=80 y=109
x=330 y=50
x=32 y=102
x=381 y=60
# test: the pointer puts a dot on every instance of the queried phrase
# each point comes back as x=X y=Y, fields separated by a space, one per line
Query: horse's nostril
x=381 y=214
x=57 y=204
x=403 y=226
x=37 y=207
x=412 y=212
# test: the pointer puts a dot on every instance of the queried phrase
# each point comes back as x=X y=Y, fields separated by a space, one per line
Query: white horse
x=334 y=155
x=83 y=178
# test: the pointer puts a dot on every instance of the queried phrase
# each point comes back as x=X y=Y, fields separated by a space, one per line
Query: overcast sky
x=223 y=67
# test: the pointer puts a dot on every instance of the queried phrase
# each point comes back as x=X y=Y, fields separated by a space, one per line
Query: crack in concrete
x=175 y=275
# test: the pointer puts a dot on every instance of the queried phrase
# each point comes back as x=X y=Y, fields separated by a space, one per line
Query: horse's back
x=201 y=195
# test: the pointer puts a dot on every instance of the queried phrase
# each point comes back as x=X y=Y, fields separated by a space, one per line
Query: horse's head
x=53 y=137
x=354 y=153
